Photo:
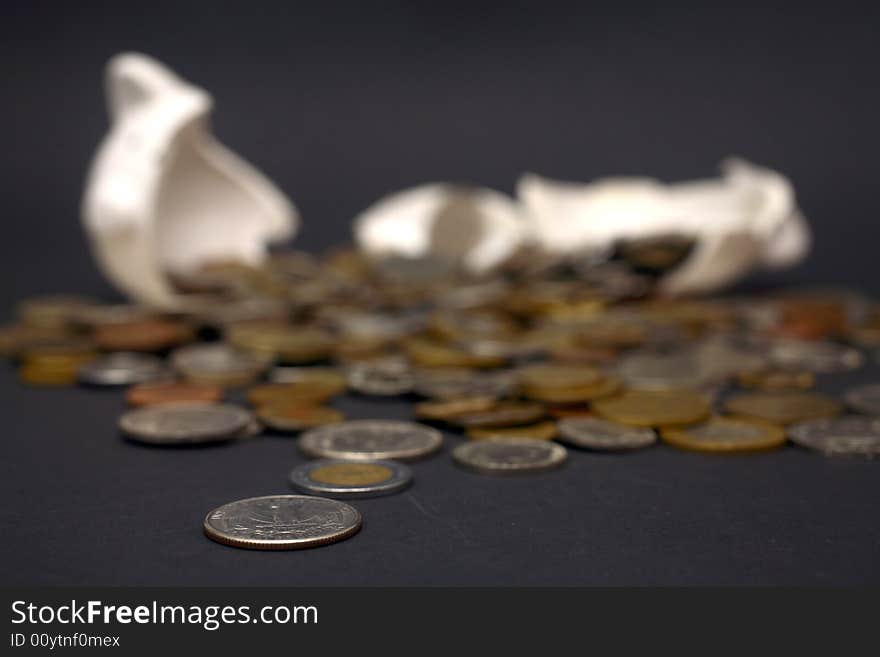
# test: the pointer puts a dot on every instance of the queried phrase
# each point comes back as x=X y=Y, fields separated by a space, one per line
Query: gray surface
x=345 y=105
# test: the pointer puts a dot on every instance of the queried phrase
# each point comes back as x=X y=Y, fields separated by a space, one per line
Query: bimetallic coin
x=371 y=440
x=539 y=431
x=282 y=522
x=847 y=435
x=654 y=408
x=782 y=407
x=172 y=392
x=180 y=424
x=217 y=364
x=348 y=479
x=122 y=369
x=724 y=434
x=291 y=416
x=864 y=399
x=595 y=433
x=509 y=455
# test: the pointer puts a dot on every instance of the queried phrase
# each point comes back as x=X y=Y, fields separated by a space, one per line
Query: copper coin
x=172 y=392
x=143 y=335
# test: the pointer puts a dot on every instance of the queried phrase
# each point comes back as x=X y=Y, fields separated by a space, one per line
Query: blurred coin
x=17 y=338
x=142 y=335
x=52 y=311
x=502 y=414
x=569 y=395
x=293 y=416
x=292 y=374
x=463 y=383
x=560 y=411
x=782 y=407
x=172 y=392
x=282 y=522
x=850 y=434
x=304 y=392
x=351 y=479
x=818 y=357
x=98 y=315
x=448 y=410
x=432 y=353
x=547 y=375
x=371 y=440
x=724 y=434
x=122 y=368
x=289 y=344
x=381 y=378
x=539 y=431
x=776 y=380
x=595 y=433
x=179 y=424
x=217 y=364
x=654 y=408
x=864 y=399
x=509 y=455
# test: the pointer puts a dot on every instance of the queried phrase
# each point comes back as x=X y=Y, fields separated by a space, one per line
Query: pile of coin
x=516 y=363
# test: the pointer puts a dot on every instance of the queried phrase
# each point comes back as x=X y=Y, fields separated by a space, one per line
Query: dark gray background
x=341 y=104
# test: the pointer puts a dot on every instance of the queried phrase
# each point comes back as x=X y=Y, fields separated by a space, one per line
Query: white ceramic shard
x=163 y=196
x=744 y=219
x=477 y=227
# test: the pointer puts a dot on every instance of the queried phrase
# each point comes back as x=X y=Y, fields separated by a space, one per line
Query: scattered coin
x=301 y=393
x=180 y=424
x=503 y=414
x=818 y=357
x=540 y=431
x=349 y=479
x=293 y=416
x=172 y=392
x=864 y=399
x=381 y=378
x=847 y=435
x=142 y=335
x=776 y=380
x=448 y=410
x=282 y=522
x=654 y=408
x=509 y=455
x=371 y=440
x=121 y=369
x=598 y=434
x=782 y=407
x=217 y=364
x=52 y=311
x=725 y=434
x=461 y=383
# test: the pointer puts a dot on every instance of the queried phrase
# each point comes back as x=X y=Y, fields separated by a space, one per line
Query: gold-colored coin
x=726 y=434
x=539 y=431
x=351 y=474
x=429 y=353
x=302 y=392
x=654 y=408
x=776 y=380
x=556 y=395
x=448 y=410
x=783 y=407
x=292 y=416
x=559 y=376
x=503 y=414
x=52 y=311
x=16 y=338
x=291 y=344
x=33 y=374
